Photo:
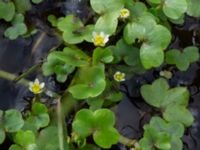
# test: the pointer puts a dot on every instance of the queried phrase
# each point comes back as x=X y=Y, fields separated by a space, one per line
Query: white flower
x=119 y=76
x=100 y=39
x=36 y=87
x=136 y=146
x=124 y=13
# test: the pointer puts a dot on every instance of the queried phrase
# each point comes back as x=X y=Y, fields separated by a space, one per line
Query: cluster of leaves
x=173 y=106
x=25 y=129
x=183 y=59
x=13 y=12
x=145 y=37
x=136 y=44
x=163 y=135
x=88 y=122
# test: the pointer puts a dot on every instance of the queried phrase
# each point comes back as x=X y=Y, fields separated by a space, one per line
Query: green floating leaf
x=160 y=140
x=162 y=135
x=39 y=116
x=104 y=6
x=95 y=103
x=92 y=86
x=102 y=55
x=159 y=95
x=106 y=137
x=72 y=57
x=155 y=1
x=22 y=5
x=37 y=1
x=139 y=28
x=48 y=139
x=151 y=56
x=15 y=147
x=136 y=9
x=174 y=9
x=146 y=30
x=18 y=27
x=83 y=123
x=153 y=94
x=176 y=113
x=2 y=132
x=73 y=29
x=13 y=120
x=87 y=122
x=128 y=53
x=179 y=21
x=110 y=11
x=151 y=52
x=16 y=30
x=172 y=128
x=57 y=66
x=193 y=8
x=7 y=10
x=107 y=23
x=22 y=135
x=39 y=108
x=53 y=20
x=162 y=97
x=183 y=59
x=2 y=136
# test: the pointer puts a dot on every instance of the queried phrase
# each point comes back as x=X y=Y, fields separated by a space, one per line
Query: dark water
x=132 y=113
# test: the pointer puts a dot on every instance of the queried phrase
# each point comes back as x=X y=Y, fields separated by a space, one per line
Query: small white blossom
x=124 y=13
x=119 y=76
x=36 y=87
x=100 y=39
x=136 y=146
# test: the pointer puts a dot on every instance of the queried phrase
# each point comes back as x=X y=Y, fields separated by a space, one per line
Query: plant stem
x=60 y=126
x=29 y=71
x=126 y=141
x=9 y=76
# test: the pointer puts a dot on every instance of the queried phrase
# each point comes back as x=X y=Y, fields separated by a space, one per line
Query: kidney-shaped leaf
x=178 y=113
x=106 y=137
x=22 y=135
x=13 y=120
x=174 y=8
x=83 y=123
x=102 y=6
x=154 y=94
x=90 y=86
x=103 y=55
x=7 y=10
x=193 y=8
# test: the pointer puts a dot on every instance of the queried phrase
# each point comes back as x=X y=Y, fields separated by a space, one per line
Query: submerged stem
x=11 y=77
x=60 y=126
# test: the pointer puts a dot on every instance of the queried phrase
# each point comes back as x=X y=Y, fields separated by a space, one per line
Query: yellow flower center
x=36 y=88
x=124 y=13
x=119 y=76
x=99 y=40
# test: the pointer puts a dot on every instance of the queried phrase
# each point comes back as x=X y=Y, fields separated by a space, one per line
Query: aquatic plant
x=124 y=38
